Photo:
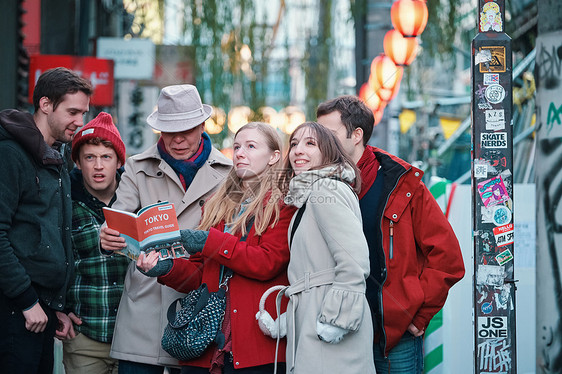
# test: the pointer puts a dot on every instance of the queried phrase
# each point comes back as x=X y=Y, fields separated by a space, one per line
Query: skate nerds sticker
x=493 y=140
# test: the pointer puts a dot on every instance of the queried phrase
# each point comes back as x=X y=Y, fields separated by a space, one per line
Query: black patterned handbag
x=198 y=322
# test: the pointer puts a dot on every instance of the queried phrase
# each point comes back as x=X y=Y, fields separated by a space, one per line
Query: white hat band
x=175 y=116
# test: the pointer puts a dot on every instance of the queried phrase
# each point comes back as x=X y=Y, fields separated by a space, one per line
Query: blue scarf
x=186 y=169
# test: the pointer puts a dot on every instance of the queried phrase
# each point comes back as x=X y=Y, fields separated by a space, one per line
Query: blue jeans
x=129 y=367
x=405 y=358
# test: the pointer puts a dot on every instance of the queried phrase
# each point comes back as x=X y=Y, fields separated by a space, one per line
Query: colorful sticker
x=495 y=93
x=490 y=78
x=504 y=257
x=495 y=119
x=501 y=215
x=497 y=62
x=492 y=327
x=503 y=235
x=493 y=140
x=492 y=191
x=487 y=308
x=490 y=18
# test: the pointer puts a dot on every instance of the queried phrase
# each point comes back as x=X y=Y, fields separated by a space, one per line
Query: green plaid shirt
x=95 y=293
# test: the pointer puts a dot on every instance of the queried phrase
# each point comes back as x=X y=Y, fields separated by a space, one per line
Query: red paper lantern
x=402 y=51
x=385 y=77
x=409 y=17
x=370 y=98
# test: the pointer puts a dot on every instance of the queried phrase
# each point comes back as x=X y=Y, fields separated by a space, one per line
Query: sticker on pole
x=495 y=119
x=490 y=78
x=492 y=191
x=495 y=93
x=493 y=140
x=480 y=168
x=503 y=235
x=504 y=257
x=496 y=63
x=501 y=215
x=492 y=327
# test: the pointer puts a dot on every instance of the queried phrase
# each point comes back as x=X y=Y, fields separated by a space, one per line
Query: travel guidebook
x=154 y=227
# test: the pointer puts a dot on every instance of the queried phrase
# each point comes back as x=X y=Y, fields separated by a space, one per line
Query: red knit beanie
x=100 y=127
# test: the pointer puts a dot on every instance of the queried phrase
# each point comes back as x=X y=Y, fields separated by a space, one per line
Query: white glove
x=269 y=327
x=330 y=333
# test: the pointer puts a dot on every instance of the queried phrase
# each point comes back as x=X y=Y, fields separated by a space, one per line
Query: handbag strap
x=226 y=273
x=296 y=222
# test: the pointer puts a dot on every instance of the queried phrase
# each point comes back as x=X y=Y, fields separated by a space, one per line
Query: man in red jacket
x=414 y=253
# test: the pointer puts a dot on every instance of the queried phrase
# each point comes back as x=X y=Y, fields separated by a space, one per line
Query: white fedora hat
x=179 y=109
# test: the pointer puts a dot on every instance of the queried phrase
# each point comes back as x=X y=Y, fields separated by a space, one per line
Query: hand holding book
x=154 y=227
x=193 y=241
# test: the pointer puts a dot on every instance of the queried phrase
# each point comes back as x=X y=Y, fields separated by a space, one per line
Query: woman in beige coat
x=184 y=169
x=328 y=318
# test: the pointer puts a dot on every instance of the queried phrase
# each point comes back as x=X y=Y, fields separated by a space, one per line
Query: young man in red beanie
x=93 y=298
x=414 y=254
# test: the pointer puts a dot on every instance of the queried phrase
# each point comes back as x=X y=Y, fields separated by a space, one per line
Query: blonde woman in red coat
x=248 y=205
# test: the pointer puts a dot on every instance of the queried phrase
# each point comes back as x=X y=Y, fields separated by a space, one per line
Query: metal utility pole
x=492 y=193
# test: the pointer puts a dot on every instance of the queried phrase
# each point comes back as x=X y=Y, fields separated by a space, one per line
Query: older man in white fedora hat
x=185 y=169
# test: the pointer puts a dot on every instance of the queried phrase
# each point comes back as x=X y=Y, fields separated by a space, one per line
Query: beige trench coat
x=327 y=271
x=141 y=317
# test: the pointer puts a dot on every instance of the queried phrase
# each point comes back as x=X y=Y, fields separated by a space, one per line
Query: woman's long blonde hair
x=265 y=195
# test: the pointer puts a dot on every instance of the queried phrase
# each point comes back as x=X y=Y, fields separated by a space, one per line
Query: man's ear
x=77 y=163
x=44 y=104
x=274 y=157
x=357 y=136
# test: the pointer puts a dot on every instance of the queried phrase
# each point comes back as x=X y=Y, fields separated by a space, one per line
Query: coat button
x=225 y=251
x=235 y=311
x=201 y=202
x=394 y=216
x=408 y=194
x=237 y=363
x=417 y=174
x=159 y=173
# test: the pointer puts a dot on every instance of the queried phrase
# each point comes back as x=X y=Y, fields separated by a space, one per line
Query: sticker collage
x=492 y=176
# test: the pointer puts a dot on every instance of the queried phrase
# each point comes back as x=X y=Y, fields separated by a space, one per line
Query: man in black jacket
x=35 y=220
